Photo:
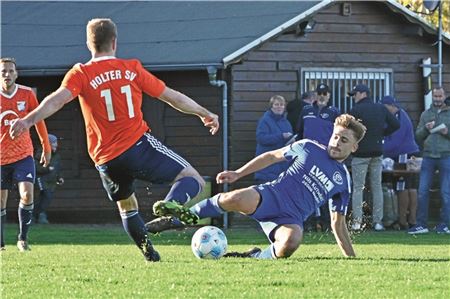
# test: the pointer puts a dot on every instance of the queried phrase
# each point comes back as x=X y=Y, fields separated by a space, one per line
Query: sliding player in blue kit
x=316 y=176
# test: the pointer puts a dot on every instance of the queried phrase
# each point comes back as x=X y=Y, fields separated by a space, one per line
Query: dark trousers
x=44 y=200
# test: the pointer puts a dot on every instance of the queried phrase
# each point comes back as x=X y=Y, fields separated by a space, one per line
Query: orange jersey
x=110 y=94
x=17 y=105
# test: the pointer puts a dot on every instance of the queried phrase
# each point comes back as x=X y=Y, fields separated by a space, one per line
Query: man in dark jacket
x=47 y=179
x=379 y=123
x=294 y=107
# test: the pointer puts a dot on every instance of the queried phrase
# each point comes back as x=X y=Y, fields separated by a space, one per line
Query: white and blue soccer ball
x=209 y=242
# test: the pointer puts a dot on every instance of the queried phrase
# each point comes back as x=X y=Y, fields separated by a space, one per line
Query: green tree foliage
x=417 y=6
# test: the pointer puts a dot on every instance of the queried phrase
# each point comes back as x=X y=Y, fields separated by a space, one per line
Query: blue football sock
x=208 y=207
x=135 y=228
x=2 y=229
x=266 y=254
x=183 y=190
x=25 y=213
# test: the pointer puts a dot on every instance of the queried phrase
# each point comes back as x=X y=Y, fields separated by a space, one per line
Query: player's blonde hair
x=100 y=33
x=350 y=122
x=8 y=59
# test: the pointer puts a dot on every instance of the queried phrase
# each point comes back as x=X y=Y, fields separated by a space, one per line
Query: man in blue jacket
x=316 y=120
x=379 y=123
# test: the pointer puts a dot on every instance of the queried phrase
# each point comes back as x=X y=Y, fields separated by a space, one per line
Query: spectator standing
x=316 y=119
x=47 y=179
x=272 y=132
x=379 y=123
x=433 y=131
x=295 y=107
x=400 y=145
x=17 y=164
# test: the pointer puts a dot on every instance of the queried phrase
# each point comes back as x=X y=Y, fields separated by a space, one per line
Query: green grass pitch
x=69 y=261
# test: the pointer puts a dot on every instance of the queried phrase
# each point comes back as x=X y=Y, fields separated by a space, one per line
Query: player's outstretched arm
x=341 y=234
x=185 y=104
x=49 y=105
x=257 y=163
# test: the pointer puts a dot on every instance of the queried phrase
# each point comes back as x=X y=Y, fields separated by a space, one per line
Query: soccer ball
x=209 y=242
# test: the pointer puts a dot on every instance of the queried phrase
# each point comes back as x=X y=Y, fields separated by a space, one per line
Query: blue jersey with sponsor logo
x=312 y=179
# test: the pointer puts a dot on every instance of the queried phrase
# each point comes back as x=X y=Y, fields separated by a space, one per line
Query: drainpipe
x=440 y=45
x=212 y=74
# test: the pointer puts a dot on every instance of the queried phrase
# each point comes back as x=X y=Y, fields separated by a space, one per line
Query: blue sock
x=266 y=254
x=25 y=214
x=135 y=228
x=208 y=207
x=183 y=190
x=2 y=229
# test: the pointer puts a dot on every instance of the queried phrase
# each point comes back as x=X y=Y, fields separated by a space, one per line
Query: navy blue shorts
x=20 y=171
x=148 y=159
x=273 y=212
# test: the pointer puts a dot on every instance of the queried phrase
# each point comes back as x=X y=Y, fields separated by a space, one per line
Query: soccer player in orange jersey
x=16 y=155
x=119 y=140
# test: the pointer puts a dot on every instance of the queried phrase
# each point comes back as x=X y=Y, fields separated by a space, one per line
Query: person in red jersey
x=119 y=140
x=16 y=155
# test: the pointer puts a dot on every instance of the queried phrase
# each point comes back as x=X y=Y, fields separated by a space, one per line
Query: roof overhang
x=417 y=19
x=392 y=4
x=235 y=56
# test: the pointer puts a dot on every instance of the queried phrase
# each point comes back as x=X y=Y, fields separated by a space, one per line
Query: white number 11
x=106 y=93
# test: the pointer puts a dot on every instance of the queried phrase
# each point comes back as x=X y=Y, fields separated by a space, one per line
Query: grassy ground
x=100 y=262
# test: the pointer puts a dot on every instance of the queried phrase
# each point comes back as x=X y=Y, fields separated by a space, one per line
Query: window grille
x=342 y=80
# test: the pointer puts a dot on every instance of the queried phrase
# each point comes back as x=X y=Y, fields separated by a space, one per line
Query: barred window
x=342 y=80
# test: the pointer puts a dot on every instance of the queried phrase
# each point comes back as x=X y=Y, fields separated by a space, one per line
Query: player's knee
x=289 y=246
x=229 y=201
x=26 y=197
x=192 y=172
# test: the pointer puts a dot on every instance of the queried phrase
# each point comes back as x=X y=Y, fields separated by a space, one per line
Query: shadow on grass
x=400 y=259
x=114 y=234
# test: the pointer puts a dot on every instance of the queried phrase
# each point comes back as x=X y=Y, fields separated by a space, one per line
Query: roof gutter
x=184 y=67
x=58 y=71
x=412 y=16
x=233 y=57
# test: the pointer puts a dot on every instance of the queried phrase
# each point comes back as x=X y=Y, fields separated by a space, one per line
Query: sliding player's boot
x=246 y=254
x=170 y=208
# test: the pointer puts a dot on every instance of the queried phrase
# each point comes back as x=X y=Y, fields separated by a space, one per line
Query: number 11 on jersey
x=106 y=94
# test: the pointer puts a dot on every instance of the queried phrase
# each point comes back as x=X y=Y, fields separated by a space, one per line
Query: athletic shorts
x=271 y=213
x=148 y=159
x=20 y=171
